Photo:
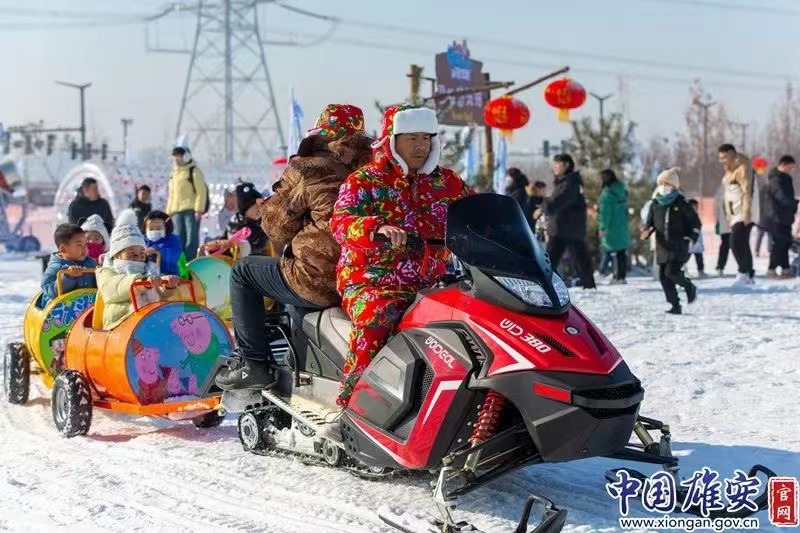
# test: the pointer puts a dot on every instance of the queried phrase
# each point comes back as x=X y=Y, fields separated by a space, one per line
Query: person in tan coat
x=737 y=197
x=296 y=218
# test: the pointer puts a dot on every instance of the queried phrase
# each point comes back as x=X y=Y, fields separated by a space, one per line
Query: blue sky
x=585 y=34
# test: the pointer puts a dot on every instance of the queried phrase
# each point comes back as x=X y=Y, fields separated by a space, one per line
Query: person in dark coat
x=676 y=225
x=565 y=210
x=516 y=182
x=87 y=203
x=778 y=212
x=141 y=205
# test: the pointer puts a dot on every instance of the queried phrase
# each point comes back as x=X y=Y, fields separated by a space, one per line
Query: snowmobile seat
x=330 y=330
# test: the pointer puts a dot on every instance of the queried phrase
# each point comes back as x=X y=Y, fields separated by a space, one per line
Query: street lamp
x=81 y=88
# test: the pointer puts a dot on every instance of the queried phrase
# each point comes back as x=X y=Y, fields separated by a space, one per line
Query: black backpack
x=207 y=203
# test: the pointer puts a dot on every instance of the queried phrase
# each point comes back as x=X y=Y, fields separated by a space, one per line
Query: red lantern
x=760 y=165
x=565 y=94
x=506 y=114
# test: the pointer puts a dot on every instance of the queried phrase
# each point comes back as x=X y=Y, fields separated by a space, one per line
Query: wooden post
x=488 y=156
x=414 y=75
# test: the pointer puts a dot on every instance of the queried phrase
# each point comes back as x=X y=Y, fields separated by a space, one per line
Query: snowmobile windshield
x=490 y=234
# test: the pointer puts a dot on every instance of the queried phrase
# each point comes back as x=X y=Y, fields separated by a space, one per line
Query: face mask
x=94 y=249
x=129 y=267
x=664 y=190
x=155 y=235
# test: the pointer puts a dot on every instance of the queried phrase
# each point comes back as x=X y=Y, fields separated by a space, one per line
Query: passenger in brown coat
x=296 y=218
x=298 y=214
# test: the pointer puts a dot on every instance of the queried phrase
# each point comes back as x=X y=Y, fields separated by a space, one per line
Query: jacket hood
x=400 y=119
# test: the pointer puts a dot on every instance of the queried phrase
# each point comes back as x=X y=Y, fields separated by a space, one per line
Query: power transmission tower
x=228 y=106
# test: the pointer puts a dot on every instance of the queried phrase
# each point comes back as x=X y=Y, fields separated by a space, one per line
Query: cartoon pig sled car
x=160 y=361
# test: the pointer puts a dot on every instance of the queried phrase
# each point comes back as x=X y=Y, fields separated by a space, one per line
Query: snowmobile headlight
x=561 y=289
x=533 y=294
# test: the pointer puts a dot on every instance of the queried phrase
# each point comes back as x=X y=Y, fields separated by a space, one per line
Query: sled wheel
x=17 y=373
x=251 y=431
x=331 y=453
x=72 y=404
x=378 y=470
x=209 y=420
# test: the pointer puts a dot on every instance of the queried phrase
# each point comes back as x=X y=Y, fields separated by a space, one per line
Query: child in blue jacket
x=160 y=236
x=71 y=256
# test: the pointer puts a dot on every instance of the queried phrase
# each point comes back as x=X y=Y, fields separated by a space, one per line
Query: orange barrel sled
x=160 y=361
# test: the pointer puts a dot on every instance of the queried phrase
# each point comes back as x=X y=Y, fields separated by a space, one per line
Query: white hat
x=126 y=233
x=670 y=177
x=95 y=223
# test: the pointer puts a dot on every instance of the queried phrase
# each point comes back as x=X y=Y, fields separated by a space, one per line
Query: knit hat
x=95 y=223
x=338 y=120
x=399 y=119
x=125 y=234
x=246 y=196
x=670 y=177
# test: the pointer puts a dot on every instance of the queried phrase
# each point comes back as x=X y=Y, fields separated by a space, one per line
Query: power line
x=361 y=43
x=559 y=52
x=717 y=4
x=26 y=12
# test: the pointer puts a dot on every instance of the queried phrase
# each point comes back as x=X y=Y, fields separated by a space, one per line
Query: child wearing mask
x=70 y=257
x=126 y=264
x=96 y=237
x=676 y=226
x=160 y=236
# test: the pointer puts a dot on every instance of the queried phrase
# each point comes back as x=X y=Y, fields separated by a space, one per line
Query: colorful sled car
x=45 y=331
x=211 y=276
x=160 y=361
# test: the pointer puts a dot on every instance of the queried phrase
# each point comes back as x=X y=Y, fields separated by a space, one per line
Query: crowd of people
x=670 y=219
x=336 y=228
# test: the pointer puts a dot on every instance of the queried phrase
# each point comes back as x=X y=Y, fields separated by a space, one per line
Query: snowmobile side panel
x=439 y=406
x=563 y=431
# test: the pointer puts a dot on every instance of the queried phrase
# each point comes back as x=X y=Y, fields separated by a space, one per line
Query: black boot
x=675 y=310
x=249 y=374
x=691 y=293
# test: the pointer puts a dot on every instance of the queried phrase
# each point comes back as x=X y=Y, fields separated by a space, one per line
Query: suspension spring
x=489 y=417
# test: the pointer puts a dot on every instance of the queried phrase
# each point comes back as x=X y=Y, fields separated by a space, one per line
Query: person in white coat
x=697 y=248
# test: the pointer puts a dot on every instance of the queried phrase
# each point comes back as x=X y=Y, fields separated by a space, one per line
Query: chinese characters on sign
x=456 y=71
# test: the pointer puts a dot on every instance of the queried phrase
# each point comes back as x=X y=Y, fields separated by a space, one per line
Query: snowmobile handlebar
x=413 y=240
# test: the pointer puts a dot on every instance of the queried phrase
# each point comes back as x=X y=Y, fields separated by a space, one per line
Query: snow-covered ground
x=726 y=377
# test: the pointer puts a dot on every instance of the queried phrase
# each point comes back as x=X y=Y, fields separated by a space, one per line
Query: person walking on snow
x=676 y=225
x=613 y=223
x=187 y=200
x=779 y=212
x=723 y=229
x=88 y=202
x=403 y=191
x=737 y=186
x=565 y=210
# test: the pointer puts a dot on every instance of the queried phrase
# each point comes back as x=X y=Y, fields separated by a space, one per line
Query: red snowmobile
x=490 y=371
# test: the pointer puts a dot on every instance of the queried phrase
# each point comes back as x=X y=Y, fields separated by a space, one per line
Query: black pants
x=740 y=246
x=252 y=279
x=724 y=249
x=781 y=235
x=671 y=275
x=698 y=259
x=556 y=248
x=620 y=260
